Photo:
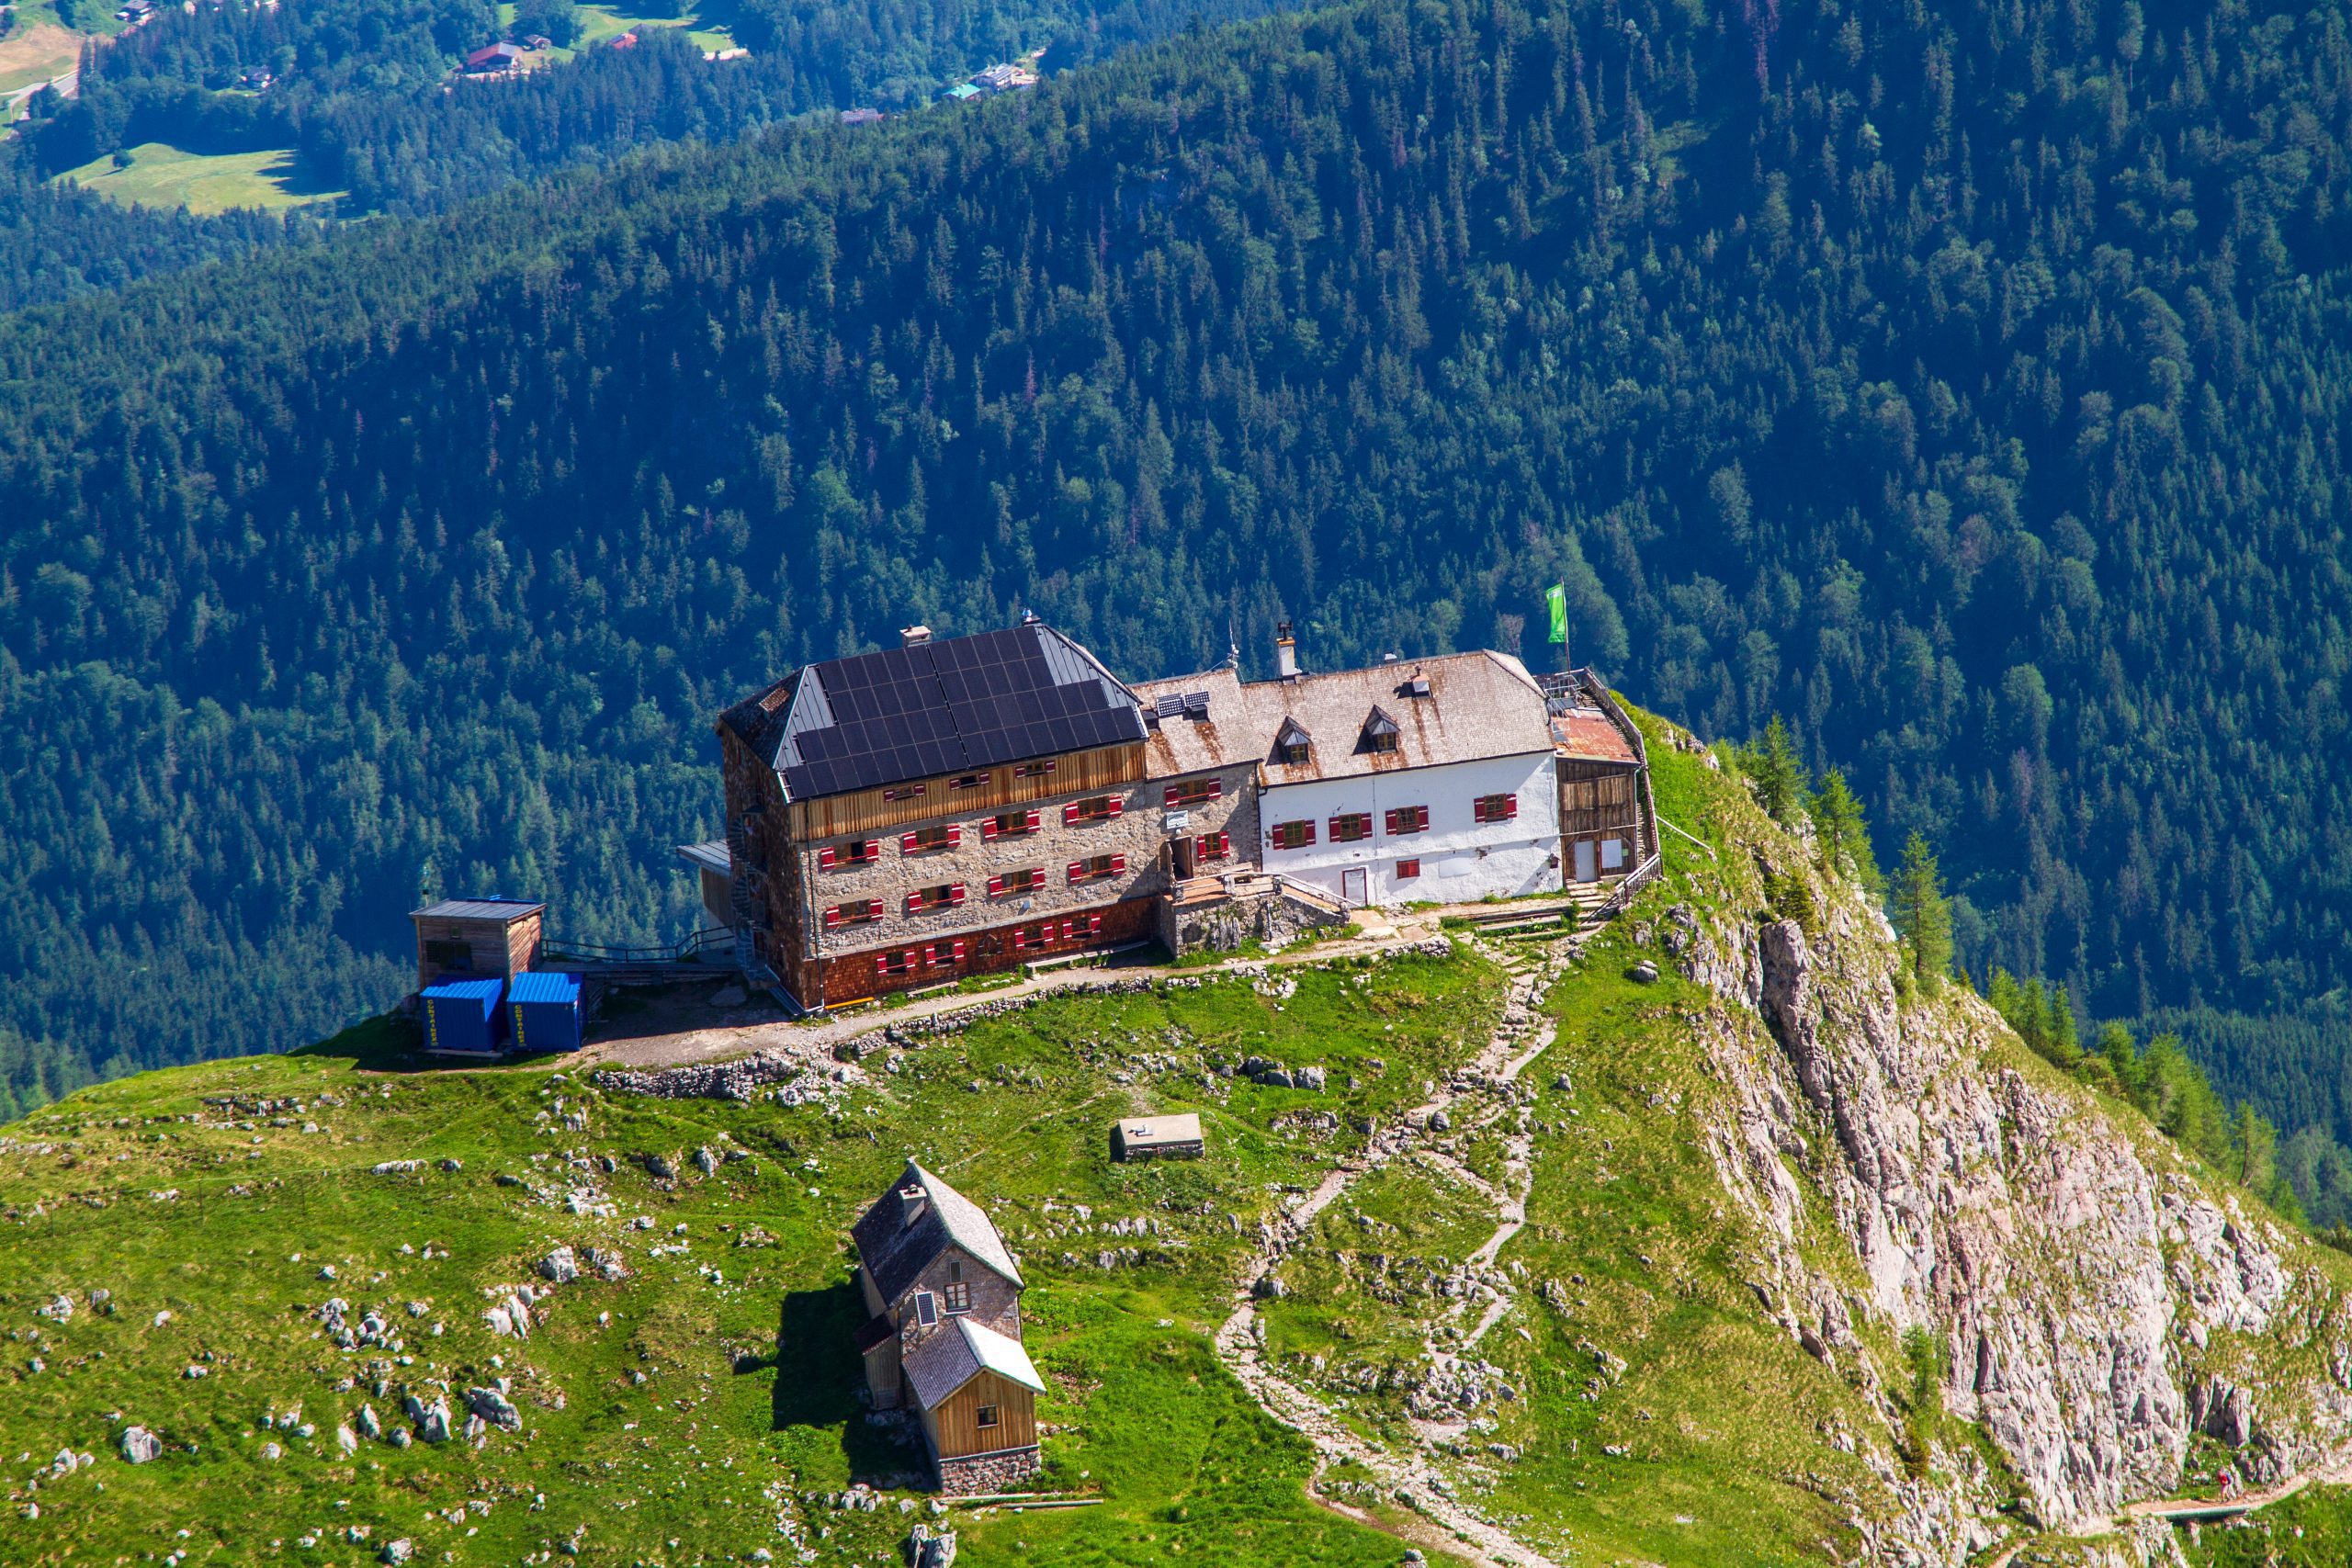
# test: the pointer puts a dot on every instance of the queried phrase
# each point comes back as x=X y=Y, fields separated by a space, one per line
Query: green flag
x=1557 y=597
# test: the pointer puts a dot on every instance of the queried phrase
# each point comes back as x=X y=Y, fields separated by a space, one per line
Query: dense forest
x=57 y=242
x=365 y=92
x=1965 y=381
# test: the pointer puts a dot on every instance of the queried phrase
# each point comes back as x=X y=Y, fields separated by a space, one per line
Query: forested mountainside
x=56 y=243
x=1963 y=382
x=361 y=90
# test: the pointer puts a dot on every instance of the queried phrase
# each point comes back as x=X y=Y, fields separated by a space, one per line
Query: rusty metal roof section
x=1207 y=728
x=1478 y=705
x=1587 y=735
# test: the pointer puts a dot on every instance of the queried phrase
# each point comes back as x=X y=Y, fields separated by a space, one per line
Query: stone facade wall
x=1272 y=919
x=996 y=1301
x=977 y=1474
x=1136 y=833
x=1233 y=813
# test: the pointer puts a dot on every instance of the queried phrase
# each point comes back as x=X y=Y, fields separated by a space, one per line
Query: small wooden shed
x=1156 y=1137
x=477 y=939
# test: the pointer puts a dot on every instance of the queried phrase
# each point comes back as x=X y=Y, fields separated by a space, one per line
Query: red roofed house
x=497 y=57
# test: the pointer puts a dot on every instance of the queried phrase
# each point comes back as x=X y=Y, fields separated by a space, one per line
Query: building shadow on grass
x=819 y=1378
x=393 y=1044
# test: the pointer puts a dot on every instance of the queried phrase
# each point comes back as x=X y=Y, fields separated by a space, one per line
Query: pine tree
x=1923 y=915
x=1772 y=766
x=1842 y=831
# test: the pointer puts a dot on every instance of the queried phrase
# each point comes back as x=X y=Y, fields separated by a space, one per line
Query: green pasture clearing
x=204 y=182
x=600 y=23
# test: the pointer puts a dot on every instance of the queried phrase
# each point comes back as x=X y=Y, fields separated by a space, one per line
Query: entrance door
x=1181 y=855
x=1585 y=871
x=1351 y=887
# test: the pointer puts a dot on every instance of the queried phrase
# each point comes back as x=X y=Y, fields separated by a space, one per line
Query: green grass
x=162 y=175
x=601 y=24
x=748 y=1403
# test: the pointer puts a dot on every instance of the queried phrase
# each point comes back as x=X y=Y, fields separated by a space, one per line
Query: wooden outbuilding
x=477 y=939
x=1156 y=1137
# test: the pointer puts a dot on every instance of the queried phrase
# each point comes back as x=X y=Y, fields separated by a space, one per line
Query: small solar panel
x=926 y=1309
x=1196 y=705
x=1168 y=706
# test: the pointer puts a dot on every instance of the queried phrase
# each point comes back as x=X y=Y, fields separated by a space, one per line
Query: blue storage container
x=543 y=1010
x=463 y=1018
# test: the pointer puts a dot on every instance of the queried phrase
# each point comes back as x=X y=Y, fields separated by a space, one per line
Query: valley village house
x=957 y=806
x=944 y=1337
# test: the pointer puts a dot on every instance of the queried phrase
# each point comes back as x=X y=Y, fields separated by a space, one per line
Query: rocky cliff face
x=2096 y=1300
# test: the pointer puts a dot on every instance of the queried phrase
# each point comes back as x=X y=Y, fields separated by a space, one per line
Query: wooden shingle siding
x=954 y=1427
x=494 y=948
x=866 y=811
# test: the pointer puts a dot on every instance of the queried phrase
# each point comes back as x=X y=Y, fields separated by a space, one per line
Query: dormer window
x=1380 y=731
x=1293 y=745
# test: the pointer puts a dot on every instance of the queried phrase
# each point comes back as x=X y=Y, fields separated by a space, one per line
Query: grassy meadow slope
x=704 y=1407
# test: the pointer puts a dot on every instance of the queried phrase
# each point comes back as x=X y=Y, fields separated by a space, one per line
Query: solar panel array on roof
x=948 y=706
x=1196 y=705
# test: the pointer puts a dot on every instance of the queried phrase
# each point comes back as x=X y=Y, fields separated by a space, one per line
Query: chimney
x=1286 y=653
x=914 y=637
x=911 y=1203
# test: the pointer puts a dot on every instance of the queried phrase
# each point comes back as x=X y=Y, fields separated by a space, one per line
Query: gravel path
x=1411 y=1476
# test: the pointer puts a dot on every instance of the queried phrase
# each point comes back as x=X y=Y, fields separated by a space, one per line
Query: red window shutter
x=1020 y=938
x=1510 y=808
x=1217 y=788
x=1389 y=823
x=873 y=848
x=827 y=858
x=833 y=917
x=1422 y=819
x=1310 y=832
x=1117 y=805
x=1069 y=815
x=1093 y=925
x=874 y=909
x=954 y=834
x=955 y=895
x=996 y=886
x=959 y=953
x=906 y=843
x=881 y=964
x=1224 y=844
x=988 y=829
x=1032 y=822
x=1174 y=796
x=914 y=902
x=1076 y=869
x=1118 y=865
